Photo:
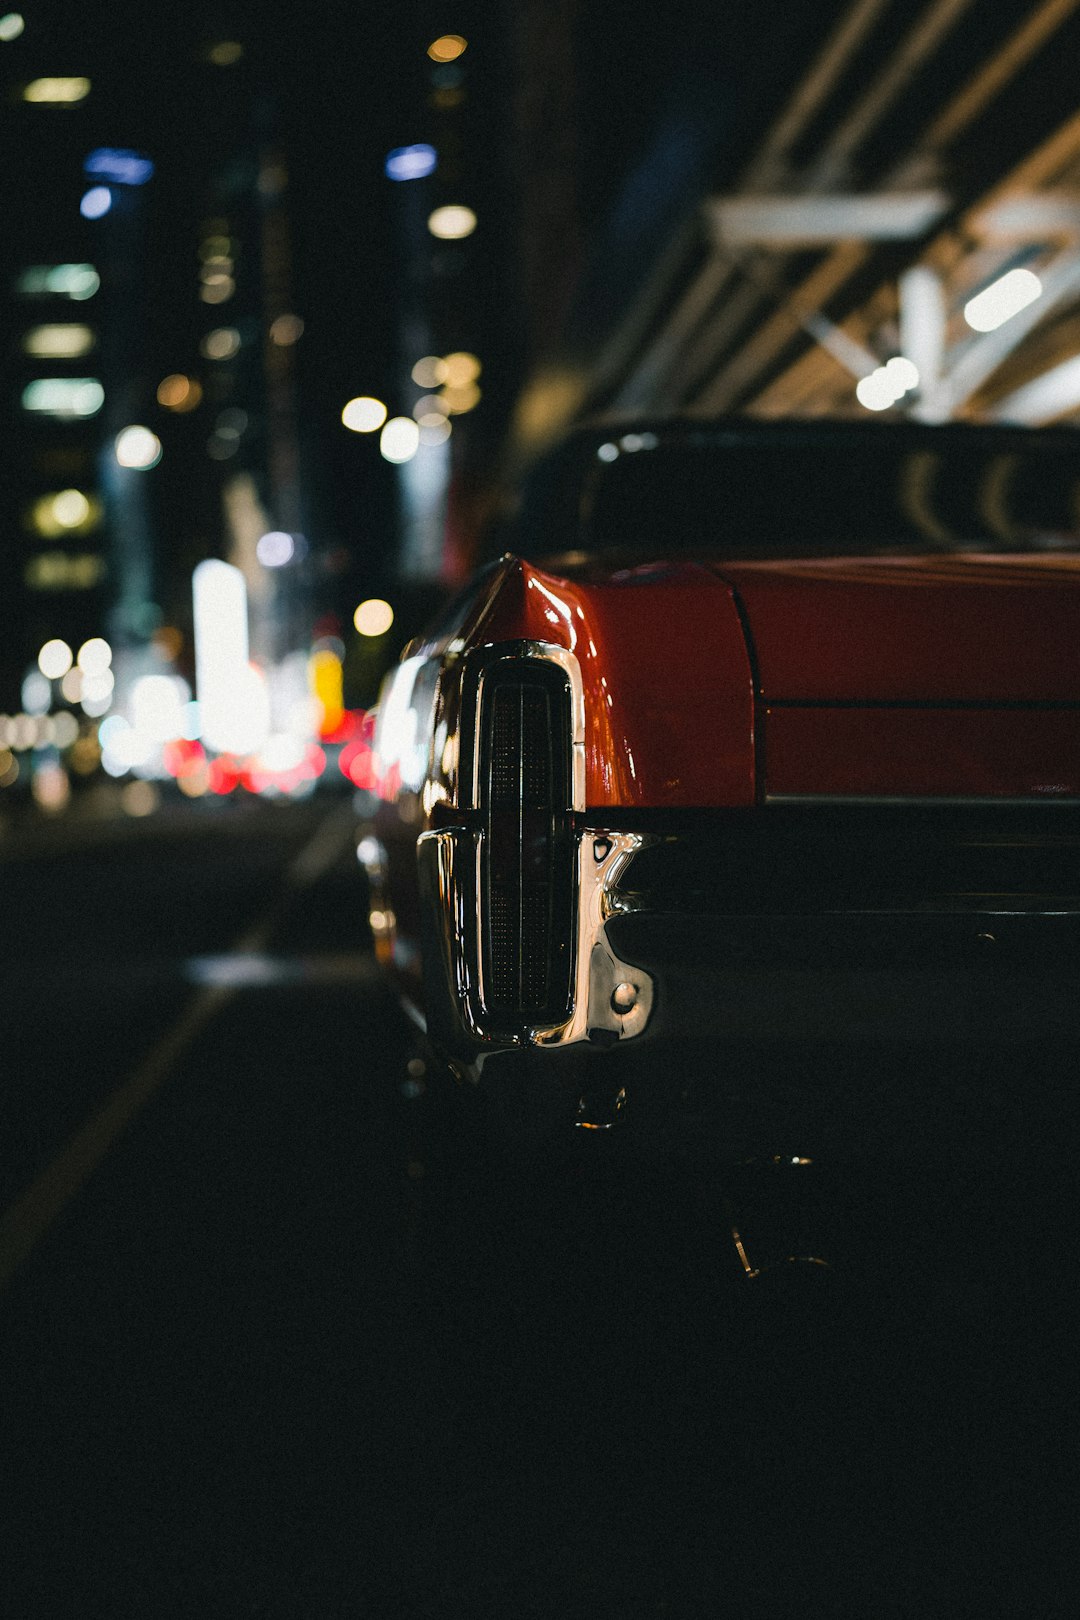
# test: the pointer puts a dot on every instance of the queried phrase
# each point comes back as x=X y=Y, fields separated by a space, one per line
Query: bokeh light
x=65 y=398
x=456 y=401
x=460 y=369
x=452 y=222
x=373 y=617
x=364 y=414
x=61 y=92
x=429 y=371
x=286 y=330
x=275 y=549
x=400 y=439
x=411 y=162
x=95 y=655
x=447 y=48
x=179 y=393
x=55 y=659
x=434 y=428
x=225 y=52
x=62 y=340
x=76 y=281
x=1002 y=300
x=120 y=165
x=11 y=26
x=138 y=448
x=68 y=511
x=36 y=694
x=96 y=202
x=221 y=344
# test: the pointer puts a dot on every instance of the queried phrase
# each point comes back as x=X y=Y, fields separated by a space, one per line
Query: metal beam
x=1038 y=217
x=800 y=222
x=922 y=338
x=980 y=358
x=1056 y=393
x=663 y=353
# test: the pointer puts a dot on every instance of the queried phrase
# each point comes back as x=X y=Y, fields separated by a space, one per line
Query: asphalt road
x=278 y=1340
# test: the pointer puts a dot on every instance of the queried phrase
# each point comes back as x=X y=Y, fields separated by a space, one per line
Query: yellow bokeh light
x=179 y=393
x=452 y=222
x=67 y=511
x=225 y=52
x=459 y=400
x=447 y=48
x=70 y=508
x=373 y=617
x=64 y=340
x=61 y=92
x=364 y=414
x=324 y=673
x=461 y=369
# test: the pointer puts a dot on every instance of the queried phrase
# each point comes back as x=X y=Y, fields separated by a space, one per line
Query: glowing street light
x=364 y=414
x=452 y=222
x=96 y=202
x=400 y=439
x=1003 y=299
x=138 y=448
x=60 y=92
x=373 y=617
x=55 y=659
x=447 y=48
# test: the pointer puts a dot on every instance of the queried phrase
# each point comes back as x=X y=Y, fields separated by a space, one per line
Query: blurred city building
x=308 y=296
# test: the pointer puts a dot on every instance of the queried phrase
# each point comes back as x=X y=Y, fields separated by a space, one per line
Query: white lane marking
x=28 y=1220
x=254 y=969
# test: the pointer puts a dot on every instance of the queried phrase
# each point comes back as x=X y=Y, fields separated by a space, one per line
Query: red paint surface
x=669 y=715
x=1007 y=753
x=987 y=629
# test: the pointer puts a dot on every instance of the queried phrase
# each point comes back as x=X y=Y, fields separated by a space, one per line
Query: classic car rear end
x=648 y=820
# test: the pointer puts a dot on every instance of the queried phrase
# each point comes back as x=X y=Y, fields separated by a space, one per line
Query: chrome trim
x=453 y=977
x=483 y=659
x=601 y=860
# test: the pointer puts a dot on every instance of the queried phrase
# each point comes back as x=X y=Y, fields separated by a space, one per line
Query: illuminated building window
x=67 y=511
x=64 y=571
x=58 y=92
x=65 y=398
x=64 y=340
x=119 y=166
x=77 y=281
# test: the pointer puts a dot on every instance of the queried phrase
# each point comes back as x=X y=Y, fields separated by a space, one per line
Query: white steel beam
x=922 y=338
x=799 y=222
x=1056 y=393
x=980 y=358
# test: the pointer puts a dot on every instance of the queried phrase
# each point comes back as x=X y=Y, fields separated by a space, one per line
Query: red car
x=767 y=741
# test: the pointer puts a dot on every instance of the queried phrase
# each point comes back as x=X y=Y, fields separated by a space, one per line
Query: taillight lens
x=526 y=875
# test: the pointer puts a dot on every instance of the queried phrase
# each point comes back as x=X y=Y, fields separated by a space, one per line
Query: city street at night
x=539 y=810
x=280 y=1340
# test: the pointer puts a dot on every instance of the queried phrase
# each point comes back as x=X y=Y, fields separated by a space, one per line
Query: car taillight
x=526 y=867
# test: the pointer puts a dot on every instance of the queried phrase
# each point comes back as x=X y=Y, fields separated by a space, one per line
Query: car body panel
x=914 y=753
x=668 y=690
x=932 y=629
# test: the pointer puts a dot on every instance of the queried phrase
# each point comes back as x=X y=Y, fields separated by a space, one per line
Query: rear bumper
x=779 y=925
